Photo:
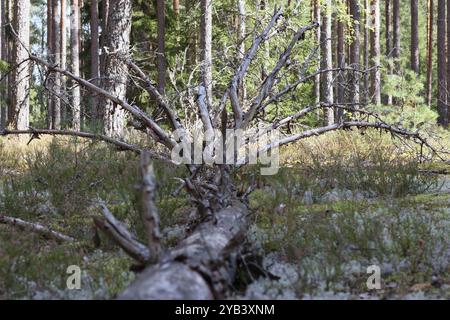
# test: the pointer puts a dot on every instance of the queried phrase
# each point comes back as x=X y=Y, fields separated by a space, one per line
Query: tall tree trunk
x=375 y=51
x=241 y=46
x=75 y=57
x=50 y=58
x=176 y=7
x=366 y=50
x=415 y=36
x=3 y=53
x=355 y=51
x=442 y=64
x=191 y=54
x=396 y=33
x=448 y=62
x=317 y=18
x=21 y=75
x=117 y=42
x=63 y=45
x=56 y=105
x=340 y=59
x=206 y=47
x=430 y=27
x=327 y=77
x=161 y=51
x=388 y=97
x=95 y=63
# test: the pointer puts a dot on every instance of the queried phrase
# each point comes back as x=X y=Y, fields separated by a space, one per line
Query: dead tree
x=203 y=265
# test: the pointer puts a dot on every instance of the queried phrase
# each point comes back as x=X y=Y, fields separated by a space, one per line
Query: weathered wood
x=199 y=267
x=36 y=227
x=150 y=214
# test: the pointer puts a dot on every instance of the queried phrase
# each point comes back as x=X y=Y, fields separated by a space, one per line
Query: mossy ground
x=337 y=205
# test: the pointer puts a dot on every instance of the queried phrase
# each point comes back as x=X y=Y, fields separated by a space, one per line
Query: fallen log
x=36 y=227
x=202 y=266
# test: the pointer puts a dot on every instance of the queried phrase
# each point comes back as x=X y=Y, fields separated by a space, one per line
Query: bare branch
x=152 y=90
x=159 y=134
x=245 y=64
x=270 y=80
x=119 y=233
x=150 y=214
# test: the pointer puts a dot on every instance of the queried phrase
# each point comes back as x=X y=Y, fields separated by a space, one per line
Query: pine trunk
x=326 y=80
x=442 y=64
x=21 y=75
x=117 y=42
x=415 y=36
x=375 y=52
x=75 y=55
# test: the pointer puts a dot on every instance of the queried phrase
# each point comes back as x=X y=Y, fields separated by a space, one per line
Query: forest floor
x=338 y=205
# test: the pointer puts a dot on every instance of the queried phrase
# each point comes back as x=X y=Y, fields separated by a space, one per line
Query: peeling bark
x=201 y=266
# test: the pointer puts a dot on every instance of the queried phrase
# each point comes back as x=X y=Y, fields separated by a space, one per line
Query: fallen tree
x=37 y=228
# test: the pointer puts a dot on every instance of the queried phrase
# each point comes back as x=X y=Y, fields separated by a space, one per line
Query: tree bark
x=448 y=62
x=3 y=56
x=75 y=54
x=442 y=64
x=340 y=57
x=161 y=51
x=317 y=18
x=56 y=88
x=242 y=91
x=50 y=58
x=95 y=63
x=197 y=267
x=21 y=75
x=415 y=62
x=375 y=51
x=388 y=97
x=396 y=33
x=326 y=80
x=366 y=50
x=117 y=42
x=430 y=26
x=176 y=7
x=63 y=46
x=355 y=50
x=206 y=47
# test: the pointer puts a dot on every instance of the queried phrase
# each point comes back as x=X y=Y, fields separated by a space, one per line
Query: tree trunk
x=21 y=75
x=241 y=47
x=75 y=55
x=326 y=80
x=366 y=50
x=317 y=18
x=56 y=89
x=63 y=46
x=388 y=97
x=430 y=26
x=375 y=51
x=396 y=33
x=161 y=51
x=415 y=36
x=206 y=47
x=117 y=42
x=442 y=65
x=448 y=62
x=50 y=58
x=355 y=51
x=340 y=57
x=95 y=63
x=176 y=7
x=3 y=53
